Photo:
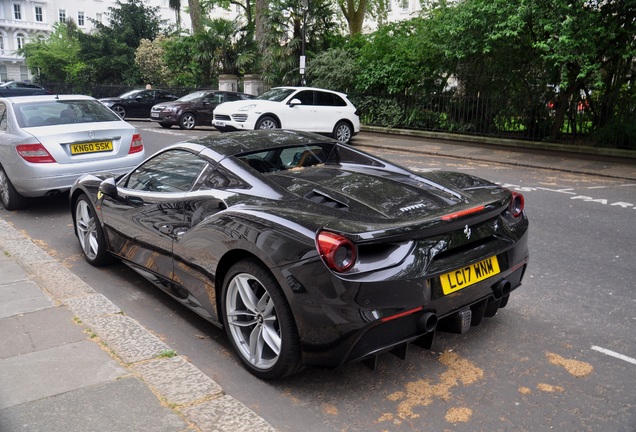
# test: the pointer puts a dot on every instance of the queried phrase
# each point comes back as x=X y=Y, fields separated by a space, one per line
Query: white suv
x=299 y=108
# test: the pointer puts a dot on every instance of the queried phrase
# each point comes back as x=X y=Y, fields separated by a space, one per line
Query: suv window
x=306 y=97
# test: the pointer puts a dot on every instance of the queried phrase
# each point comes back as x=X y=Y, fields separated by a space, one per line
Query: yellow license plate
x=469 y=275
x=93 y=147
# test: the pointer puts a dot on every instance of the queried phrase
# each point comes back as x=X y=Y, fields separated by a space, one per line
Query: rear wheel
x=187 y=121
x=11 y=199
x=119 y=110
x=259 y=321
x=343 y=132
x=89 y=233
x=266 y=122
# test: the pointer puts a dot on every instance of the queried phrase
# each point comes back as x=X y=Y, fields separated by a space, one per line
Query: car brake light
x=452 y=216
x=136 y=144
x=517 y=204
x=34 y=153
x=338 y=252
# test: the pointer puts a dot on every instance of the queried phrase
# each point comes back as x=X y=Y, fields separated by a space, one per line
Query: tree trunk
x=260 y=8
x=196 y=16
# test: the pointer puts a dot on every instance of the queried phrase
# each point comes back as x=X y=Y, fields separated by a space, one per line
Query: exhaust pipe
x=427 y=322
x=501 y=289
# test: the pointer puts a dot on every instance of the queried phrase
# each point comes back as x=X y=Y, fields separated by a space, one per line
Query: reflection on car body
x=307 y=251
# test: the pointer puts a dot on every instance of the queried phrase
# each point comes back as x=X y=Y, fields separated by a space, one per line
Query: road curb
x=176 y=382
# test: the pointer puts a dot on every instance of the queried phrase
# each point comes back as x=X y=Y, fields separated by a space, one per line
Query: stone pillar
x=253 y=84
x=228 y=82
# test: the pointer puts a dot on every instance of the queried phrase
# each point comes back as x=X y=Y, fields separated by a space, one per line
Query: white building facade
x=22 y=21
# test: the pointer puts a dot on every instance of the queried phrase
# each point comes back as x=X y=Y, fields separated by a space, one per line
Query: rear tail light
x=34 y=153
x=517 y=204
x=136 y=145
x=338 y=252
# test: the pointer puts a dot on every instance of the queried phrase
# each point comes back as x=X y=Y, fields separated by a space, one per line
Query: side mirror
x=294 y=102
x=109 y=188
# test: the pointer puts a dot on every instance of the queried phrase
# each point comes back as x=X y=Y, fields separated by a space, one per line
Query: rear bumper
x=346 y=322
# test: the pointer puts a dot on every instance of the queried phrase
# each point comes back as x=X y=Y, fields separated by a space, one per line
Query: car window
x=276 y=94
x=59 y=112
x=170 y=171
x=216 y=98
x=306 y=97
x=232 y=97
x=285 y=158
x=218 y=177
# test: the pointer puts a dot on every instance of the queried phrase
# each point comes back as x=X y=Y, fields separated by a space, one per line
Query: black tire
x=165 y=125
x=89 y=233
x=259 y=321
x=119 y=110
x=11 y=199
x=187 y=121
x=343 y=132
x=266 y=122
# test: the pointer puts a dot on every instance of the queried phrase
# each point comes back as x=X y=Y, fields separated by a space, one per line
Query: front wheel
x=90 y=234
x=120 y=111
x=187 y=121
x=266 y=122
x=343 y=132
x=259 y=321
x=11 y=199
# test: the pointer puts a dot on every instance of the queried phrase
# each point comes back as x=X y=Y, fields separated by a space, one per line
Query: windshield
x=276 y=94
x=59 y=112
x=192 y=96
x=129 y=94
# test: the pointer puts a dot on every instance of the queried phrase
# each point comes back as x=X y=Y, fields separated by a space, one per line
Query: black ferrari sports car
x=307 y=251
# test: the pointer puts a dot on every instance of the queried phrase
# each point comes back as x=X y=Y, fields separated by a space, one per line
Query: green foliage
x=149 y=58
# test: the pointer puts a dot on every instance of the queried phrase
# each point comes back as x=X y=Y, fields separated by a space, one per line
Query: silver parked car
x=47 y=142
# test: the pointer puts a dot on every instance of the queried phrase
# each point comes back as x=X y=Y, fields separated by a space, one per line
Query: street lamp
x=305 y=4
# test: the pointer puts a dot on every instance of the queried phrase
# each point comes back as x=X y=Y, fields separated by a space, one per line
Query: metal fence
x=503 y=118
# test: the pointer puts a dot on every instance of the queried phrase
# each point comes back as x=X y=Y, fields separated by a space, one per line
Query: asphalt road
x=559 y=357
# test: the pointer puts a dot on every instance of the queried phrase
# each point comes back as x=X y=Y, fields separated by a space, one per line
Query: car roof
x=235 y=143
x=43 y=98
x=311 y=88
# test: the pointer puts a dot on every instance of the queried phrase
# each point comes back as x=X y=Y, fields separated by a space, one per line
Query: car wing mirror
x=109 y=188
x=294 y=102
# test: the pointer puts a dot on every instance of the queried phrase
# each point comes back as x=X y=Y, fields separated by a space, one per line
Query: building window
x=24 y=73
x=3 y=73
x=17 y=12
x=98 y=17
x=39 y=15
x=404 y=4
x=62 y=15
x=20 y=39
x=80 y=18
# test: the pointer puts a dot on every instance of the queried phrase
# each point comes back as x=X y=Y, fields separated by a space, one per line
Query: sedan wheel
x=259 y=322
x=120 y=111
x=187 y=121
x=11 y=199
x=266 y=123
x=343 y=132
x=89 y=233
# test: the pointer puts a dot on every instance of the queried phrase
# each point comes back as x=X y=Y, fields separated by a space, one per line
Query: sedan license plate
x=93 y=147
x=154 y=115
x=469 y=275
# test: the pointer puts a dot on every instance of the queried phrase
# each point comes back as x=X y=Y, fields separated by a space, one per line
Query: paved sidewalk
x=70 y=360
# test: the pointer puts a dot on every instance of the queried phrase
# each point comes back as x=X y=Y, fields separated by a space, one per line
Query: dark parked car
x=194 y=109
x=137 y=103
x=19 y=88
x=307 y=251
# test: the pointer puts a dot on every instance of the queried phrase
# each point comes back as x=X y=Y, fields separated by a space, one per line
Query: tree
x=56 y=58
x=149 y=58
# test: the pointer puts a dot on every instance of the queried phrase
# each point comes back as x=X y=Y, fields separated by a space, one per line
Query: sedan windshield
x=276 y=94
x=193 y=97
x=58 y=112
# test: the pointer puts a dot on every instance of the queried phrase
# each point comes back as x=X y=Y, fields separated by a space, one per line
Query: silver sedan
x=47 y=142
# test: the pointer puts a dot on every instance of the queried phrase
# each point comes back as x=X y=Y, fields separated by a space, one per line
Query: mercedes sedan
x=305 y=250
x=47 y=142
